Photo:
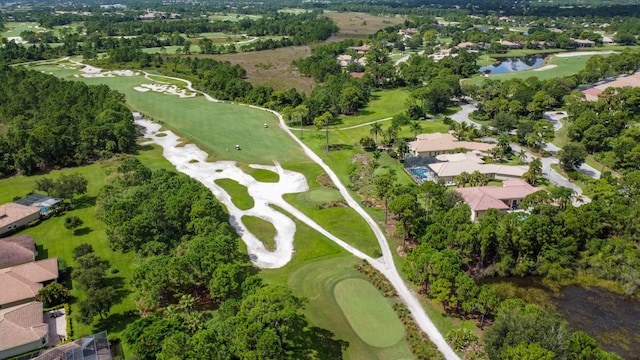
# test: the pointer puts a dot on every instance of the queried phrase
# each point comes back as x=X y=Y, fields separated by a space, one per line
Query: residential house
x=362 y=49
x=344 y=60
x=606 y=40
x=431 y=145
x=584 y=43
x=466 y=44
x=509 y=44
x=22 y=329
x=504 y=198
x=21 y=283
x=447 y=171
x=16 y=250
x=15 y=216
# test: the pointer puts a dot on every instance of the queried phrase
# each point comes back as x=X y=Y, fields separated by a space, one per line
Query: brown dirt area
x=272 y=67
x=351 y=24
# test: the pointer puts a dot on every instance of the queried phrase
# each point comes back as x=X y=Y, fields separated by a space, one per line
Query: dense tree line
x=203 y=296
x=55 y=123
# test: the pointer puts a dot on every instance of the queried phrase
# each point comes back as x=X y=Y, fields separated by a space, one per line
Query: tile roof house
x=446 y=172
x=443 y=143
x=506 y=197
x=22 y=329
x=16 y=250
x=21 y=283
x=14 y=216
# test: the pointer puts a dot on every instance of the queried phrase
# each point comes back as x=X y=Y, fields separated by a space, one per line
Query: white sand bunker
x=165 y=89
x=585 y=53
x=546 y=67
x=263 y=193
x=92 y=72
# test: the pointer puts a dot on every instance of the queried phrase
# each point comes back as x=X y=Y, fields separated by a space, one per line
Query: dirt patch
x=272 y=67
x=325 y=181
x=359 y=25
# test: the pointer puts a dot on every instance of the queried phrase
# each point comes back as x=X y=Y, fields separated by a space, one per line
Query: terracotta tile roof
x=491 y=197
x=12 y=212
x=17 y=250
x=22 y=324
x=23 y=282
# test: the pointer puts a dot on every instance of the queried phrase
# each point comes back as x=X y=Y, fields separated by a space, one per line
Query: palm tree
x=300 y=112
x=375 y=130
x=462 y=179
x=535 y=170
x=478 y=179
x=416 y=127
x=522 y=156
x=562 y=195
x=402 y=149
x=391 y=134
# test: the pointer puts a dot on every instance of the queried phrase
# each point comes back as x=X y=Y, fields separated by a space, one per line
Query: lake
x=611 y=319
x=513 y=64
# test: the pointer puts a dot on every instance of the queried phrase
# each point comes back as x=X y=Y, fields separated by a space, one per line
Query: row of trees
x=55 y=123
x=205 y=297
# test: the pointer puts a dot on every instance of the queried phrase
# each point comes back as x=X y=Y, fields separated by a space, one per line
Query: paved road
x=553 y=176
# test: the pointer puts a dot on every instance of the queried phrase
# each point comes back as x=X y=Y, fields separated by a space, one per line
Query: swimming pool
x=421 y=174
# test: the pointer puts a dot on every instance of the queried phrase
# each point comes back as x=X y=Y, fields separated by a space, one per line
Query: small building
x=509 y=44
x=362 y=49
x=16 y=250
x=22 y=329
x=344 y=60
x=431 y=145
x=585 y=43
x=21 y=283
x=15 y=216
x=606 y=40
x=466 y=44
x=93 y=347
x=505 y=198
x=357 y=74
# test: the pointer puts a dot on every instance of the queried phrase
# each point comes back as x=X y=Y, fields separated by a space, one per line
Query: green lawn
x=560 y=139
x=383 y=104
x=358 y=300
x=12 y=29
x=317 y=281
x=239 y=194
x=54 y=240
x=263 y=230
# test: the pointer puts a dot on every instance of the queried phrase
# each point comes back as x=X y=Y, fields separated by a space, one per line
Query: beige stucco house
x=505 y=198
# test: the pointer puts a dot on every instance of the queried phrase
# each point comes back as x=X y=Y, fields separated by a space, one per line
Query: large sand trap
x=91 y=72
x=263 y=193
x=546 y=67
x=585 y=53
x=165 y=89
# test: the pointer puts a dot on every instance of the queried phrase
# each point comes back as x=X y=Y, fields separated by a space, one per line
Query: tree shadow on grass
x=82 y=231
x=84 y=202
x=116 y=322
x=143 y=148
x=321 y=342
x=117 y=282
x=336 y=147
x=42 y=252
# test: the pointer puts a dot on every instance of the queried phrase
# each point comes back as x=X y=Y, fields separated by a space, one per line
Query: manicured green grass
x=12 y=29
x=317 y=281
x=239 y=194
x=261 y=174
x=359 y=300
x=383 y=104
x=263 y=230
x=322 y=195
x=560 y=139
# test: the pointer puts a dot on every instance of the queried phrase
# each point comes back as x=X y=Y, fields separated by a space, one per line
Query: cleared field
x=355 y=25
x=272 y=67
x=232 y=17
x=359 y=301
x=317 y=281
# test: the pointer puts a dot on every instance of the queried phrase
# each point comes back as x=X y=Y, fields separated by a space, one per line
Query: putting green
x=318 y=196
x=368 y=312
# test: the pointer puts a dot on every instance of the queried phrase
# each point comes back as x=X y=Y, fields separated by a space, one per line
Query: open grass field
x=264 y=230
x=54 y=240
x=317 y=280
x=358 y=300
x=12 y=29
x=383 y=104
x=272 y=67
x=355 y=25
